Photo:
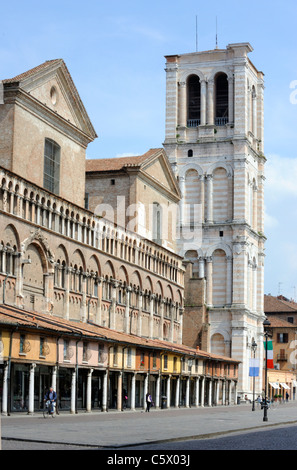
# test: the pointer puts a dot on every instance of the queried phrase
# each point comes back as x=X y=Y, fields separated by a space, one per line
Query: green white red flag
x=269 y=354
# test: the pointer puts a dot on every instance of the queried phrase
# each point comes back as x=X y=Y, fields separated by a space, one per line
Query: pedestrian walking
x=149 y=402
x=125 y=399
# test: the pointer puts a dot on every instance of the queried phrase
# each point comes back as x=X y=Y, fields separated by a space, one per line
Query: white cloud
x=281 y=176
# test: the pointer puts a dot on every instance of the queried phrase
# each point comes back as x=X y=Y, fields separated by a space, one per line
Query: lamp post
x=266 y=324
x=254 y=348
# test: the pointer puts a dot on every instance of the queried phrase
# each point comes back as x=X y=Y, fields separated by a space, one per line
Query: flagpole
x=266 y=323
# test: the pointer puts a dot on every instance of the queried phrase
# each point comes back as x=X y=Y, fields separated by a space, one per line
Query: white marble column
x=229 y=279
x=203 y=103
x=209 y=280
x=73 y=392
x=231 y=99
x=209 y=214
x=187 y=392
x=31 y=389
x=5 y=390
x=197 y=392
x=133 y=382
x=210 y=103
x=177 y=392
x=89 y=391
x=182 y=187
x=127 y=310
x=158 y=382
x=182 y=118
x=104 y=392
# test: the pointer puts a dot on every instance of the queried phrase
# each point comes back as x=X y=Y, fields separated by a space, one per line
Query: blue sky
x=115 y=53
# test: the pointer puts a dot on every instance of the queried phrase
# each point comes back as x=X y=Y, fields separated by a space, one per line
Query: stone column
x=162 y=303
x=151 y=318
x=139 y=323
x=201 y=272
x=209 y=280
x=231 y=99
x=224 y=392
x=180 y=331
x=177 y=392
x=217 y=391
x=202 y=391
x=203 y=103
x=145 y=390
x=254 y=115
x=188 y=392
x=168 y=390
x=104 y=392
x=54 y=378
x=210 y=103
x=127 y=310
x=119 y=390
x=31 y=389
x=210 y=393
x=73 y=392
x=89 y=391
x=133 y=391
x=229 y=392
x=171 y=307
x=158 y=391
x=183 y=104
x=255 y=207
x=229 y=279
x=255 y=287
x=202 y=199
x=209 y=214
x=84 y=298
x=5 y=390
x=182 y=187
x=197 y=392
x=112 y=310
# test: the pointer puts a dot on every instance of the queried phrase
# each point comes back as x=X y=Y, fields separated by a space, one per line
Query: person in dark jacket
x=149 y=402
x=51 y=396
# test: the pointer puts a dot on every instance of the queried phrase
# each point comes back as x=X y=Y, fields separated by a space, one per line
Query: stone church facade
x=214 y=141
x=61 y=258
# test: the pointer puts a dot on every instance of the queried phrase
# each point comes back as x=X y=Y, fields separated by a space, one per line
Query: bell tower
x=214 y=141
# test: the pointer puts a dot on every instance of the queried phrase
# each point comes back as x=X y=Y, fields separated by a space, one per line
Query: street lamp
x=266 y=324
x=254 y=348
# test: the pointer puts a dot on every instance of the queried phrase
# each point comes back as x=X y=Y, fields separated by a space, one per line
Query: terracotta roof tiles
x=279 y=305
x=117 y=164
x=32 y=71
x=13 y=316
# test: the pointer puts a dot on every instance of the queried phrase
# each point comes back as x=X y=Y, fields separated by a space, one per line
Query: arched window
x=194 y=101
x=51 y=172
x=190 y=153
x=221 y=107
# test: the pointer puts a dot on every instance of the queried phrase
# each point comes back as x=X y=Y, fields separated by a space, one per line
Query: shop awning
x=285 y=386
x=294 y=383
x=274 y=384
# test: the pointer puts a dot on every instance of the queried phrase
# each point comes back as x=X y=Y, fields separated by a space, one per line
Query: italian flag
x=269 y=354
